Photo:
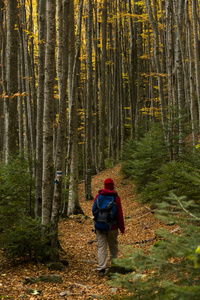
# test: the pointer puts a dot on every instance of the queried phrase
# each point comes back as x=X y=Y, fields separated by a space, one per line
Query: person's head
x=109 y=184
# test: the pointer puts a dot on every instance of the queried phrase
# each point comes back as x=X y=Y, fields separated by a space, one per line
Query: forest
x=85 y=85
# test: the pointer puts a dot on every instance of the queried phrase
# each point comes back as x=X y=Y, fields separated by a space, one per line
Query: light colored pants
x=103 y=241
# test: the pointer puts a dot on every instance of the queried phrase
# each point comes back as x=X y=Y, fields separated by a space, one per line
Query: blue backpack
x=105 y=212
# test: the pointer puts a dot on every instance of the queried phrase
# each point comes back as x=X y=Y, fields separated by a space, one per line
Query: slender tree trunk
x=47 y=188
x=33 y=78
x=132 y=71
x=73 y=202
x=102 y=100
x=196 y=51
x=60 y=44
x=28 y=100
x=157 y=61
x=191 y=102
x=12 y=82
x=88 y=192
x=3 y=86
x=168 y=8
x=114 y=112
x=61 y=137
x=40 y=107
x=180 y=72
x=20 y=104
x=140 y=87
x=96 y=84
x=121 y=97
x=109 y=80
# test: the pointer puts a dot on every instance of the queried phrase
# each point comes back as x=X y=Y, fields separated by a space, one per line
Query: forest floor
x=78 y=240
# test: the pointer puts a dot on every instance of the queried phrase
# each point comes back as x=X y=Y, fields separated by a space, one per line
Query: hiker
x=107 y=222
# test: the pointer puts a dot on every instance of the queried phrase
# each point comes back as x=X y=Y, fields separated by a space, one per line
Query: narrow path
x=79 y=241
x=80 y=279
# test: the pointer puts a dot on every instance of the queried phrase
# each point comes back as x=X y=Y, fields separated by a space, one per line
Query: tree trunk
x=179 y=58
x=140 y=87
x=12 y=82
x=157 y=61
x=169 y=7
x=40 y=107
x=95 y=101
x=88 y=136
x=196 y=51
x=61 y=137
x=28 y=100
x=47 y=189
x=20 y=103
x=191 y=100
x=102 y=100
x=3 y=86
x=73 y=202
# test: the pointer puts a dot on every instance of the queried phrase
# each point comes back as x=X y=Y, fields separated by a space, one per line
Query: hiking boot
x=102 y=272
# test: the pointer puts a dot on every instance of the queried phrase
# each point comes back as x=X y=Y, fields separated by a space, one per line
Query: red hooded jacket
x=120 y=218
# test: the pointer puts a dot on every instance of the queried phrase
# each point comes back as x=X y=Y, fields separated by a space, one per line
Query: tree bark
x=12 y=82
x=61 y=137
x=102 y=100
x=47 y=188
x=180 y=69
x=157 y=61
x=72 y=167
x=196 y=53
x=88 y=136
x=40 y=107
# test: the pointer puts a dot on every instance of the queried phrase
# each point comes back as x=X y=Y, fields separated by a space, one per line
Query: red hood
x=107 y=192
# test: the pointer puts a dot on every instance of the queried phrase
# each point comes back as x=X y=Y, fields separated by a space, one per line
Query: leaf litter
x=78 y=242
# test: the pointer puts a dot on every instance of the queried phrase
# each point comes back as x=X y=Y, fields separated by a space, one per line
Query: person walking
x=107 y=237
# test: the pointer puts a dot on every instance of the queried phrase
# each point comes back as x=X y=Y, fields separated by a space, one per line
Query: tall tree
x=88 y=132
x=157 y=60
x=48 y=121
x=61 y=134
x=2 y=51
x=191 y=101
x=102 y=100
x=12 y=81
x=40 y=106
x=96 y=42
x=180 y=67
x=132 y=71
x=138 y=9
x=72 y=154
x=30 y=138
x=196 y=53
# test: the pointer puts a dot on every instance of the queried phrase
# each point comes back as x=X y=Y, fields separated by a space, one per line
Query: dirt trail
x=80 y=279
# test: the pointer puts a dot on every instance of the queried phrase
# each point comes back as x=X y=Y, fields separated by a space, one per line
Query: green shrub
x=16 y=195
x=23 y=241
x=140 y=159
x=20 y=236
x=172 y=176
x=171 y=268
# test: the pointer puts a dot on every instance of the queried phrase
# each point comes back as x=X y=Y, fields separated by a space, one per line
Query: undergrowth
x=171 y=269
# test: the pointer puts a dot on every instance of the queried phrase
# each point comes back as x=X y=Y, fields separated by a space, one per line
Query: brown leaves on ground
x=78 y=241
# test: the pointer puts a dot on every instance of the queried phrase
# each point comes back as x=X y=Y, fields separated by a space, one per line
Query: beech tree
x=72 y=155
x=48 y=119
x=2 y=50
x=61 y=134
x=88 y=119
x=102 y=96
x=10 y=103
x=40 y=106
